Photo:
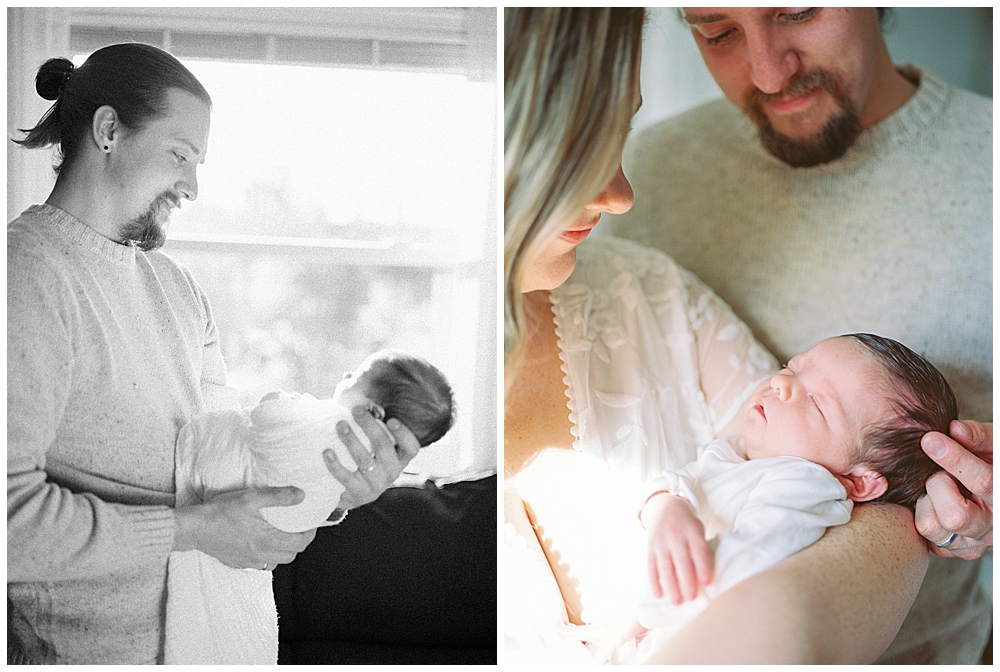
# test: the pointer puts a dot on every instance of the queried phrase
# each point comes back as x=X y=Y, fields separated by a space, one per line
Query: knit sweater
x=109 y=352
x=894 y=238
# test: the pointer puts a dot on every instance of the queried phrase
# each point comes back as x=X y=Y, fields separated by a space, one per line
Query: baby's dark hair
x=414 y=392
x=923 y=402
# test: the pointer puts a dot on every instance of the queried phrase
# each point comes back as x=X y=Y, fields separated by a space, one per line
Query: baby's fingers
x=687 y=573
x=669 y=582
x=703 y=563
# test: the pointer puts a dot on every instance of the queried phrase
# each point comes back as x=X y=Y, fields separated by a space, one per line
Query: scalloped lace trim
x=571 y=397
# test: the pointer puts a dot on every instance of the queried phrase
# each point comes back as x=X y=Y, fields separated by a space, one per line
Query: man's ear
x=863 y=484
x=106 y=128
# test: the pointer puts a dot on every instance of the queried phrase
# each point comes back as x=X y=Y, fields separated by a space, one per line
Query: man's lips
x=789 y=105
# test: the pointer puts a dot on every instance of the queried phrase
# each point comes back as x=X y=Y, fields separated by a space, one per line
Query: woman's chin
x=549 y=272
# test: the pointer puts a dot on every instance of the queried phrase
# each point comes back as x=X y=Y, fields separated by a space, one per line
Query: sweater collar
x=89 y=239
x=900 y=127
x=923 y=107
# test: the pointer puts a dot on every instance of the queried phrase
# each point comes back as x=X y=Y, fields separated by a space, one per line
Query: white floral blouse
x=656 y=364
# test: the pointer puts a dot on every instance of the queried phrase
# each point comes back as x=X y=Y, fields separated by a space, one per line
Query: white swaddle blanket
x=217 y=614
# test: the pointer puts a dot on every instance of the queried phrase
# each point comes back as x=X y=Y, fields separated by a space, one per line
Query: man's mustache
x=801 y=83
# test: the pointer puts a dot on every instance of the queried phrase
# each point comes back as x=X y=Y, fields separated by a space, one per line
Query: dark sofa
x=408 y=579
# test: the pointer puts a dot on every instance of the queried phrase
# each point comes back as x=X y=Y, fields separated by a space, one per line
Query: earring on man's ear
x=107 y=149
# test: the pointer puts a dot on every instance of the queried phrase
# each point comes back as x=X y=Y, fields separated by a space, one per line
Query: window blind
x=435 y=40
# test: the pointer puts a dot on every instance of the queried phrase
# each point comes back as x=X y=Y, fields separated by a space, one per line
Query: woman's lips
x=575 y=236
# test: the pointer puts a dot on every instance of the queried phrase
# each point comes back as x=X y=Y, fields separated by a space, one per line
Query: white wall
x=673 y=76
x=33 y=35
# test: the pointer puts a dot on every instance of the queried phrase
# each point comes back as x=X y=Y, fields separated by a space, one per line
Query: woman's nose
x=617 y=197
x=782 y=386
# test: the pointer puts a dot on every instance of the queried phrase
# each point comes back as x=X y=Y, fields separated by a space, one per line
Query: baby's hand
x=680 y=561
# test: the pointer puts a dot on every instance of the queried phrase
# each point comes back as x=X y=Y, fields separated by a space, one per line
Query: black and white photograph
x=252 y=344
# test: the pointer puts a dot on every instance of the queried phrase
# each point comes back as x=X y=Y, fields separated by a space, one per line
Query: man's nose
x=188 y=187
x=772 y=60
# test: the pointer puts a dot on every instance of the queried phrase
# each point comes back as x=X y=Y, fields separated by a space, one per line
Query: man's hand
x=229 y=527
x=968 y=457
x=393 y=446
x=680 y=561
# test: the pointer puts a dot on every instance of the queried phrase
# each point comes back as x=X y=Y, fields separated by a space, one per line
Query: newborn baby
x=281 y=441
x=220 y=615
x=841 y=423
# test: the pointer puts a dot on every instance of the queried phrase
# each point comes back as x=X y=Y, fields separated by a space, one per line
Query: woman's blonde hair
x=571 y=80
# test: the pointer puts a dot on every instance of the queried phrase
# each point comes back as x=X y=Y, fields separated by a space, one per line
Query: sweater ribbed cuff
x=152 y=529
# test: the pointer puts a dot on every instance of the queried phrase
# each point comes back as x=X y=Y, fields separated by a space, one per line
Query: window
x=347 y=203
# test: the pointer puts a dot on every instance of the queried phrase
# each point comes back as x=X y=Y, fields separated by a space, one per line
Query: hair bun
x=50 y=82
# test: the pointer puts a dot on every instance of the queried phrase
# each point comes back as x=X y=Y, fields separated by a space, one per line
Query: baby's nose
x=781 y=386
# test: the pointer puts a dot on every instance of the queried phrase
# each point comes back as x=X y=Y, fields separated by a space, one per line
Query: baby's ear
x=863 y=484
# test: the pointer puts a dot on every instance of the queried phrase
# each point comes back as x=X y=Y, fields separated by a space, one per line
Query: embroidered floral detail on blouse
x=600 y=312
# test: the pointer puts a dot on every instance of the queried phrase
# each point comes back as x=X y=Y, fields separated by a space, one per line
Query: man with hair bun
x=111 y=348
x=835 y=192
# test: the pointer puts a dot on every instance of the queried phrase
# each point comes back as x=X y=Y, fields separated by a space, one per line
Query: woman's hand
x=680 y=561
x=968 y=457
x=229 y=527
x=393 y=446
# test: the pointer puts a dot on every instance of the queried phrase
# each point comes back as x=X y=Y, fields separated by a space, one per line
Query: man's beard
x=831 y=142
x=144 y=231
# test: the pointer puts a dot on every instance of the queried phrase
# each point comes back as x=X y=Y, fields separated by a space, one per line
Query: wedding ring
x=946 y=543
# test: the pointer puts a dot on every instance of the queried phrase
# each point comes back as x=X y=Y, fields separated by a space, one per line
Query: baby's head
x=408 y=388
x=857 y=405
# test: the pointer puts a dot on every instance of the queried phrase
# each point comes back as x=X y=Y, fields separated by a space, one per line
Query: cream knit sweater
x=109 y=352
x=894 y=238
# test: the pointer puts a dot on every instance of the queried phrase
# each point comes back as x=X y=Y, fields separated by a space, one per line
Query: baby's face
x=817 y=407
x=354 y=389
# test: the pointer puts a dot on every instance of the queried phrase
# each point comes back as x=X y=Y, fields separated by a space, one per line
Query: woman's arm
x=841 y=600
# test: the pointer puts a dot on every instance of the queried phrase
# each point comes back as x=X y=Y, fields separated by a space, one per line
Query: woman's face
x=554 y=264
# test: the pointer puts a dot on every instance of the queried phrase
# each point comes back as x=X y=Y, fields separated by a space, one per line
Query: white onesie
x=755 y=513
